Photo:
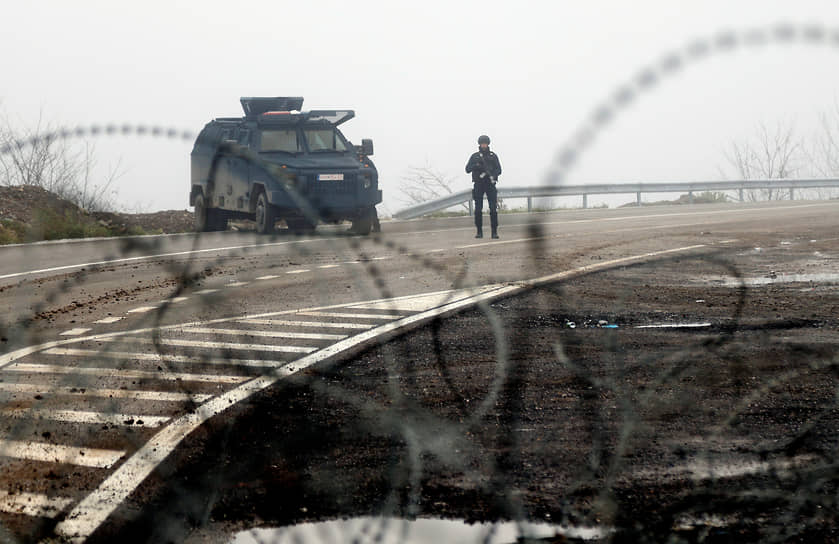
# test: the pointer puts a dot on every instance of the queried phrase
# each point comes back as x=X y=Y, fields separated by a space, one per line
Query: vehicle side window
x=244 y=137
x=227 y=134
x=280 y=140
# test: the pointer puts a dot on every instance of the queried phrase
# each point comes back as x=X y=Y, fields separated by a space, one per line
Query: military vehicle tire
x=300 y=224
x=265 y=215
x=216 y=220
x=201 y=216
x=364 y=223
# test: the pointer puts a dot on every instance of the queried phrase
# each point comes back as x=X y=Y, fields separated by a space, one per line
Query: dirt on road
x=690 y=399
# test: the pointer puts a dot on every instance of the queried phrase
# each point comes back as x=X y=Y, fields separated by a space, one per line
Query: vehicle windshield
x=324 y=139
x=284 y=140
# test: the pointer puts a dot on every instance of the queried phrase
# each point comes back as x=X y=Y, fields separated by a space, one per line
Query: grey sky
x=425 y=78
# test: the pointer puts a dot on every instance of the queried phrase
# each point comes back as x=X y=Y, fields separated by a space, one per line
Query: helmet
x=483 y=139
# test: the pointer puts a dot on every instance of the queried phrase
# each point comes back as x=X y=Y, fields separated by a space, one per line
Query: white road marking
x=315 y=324
x=384 y=258
x=498 y=242
x=268 y=277
x=157 y=357
x=265 y=334
x=237 y=284
x=109 y=320
x=675 y=326
x=206 y=291
x=162 y=255
x=135 y=394
x=78 y=416
x=213 y=345
x=54 y=453
x=416 y=303
x=351 y=262
x=174 y=300
x=113 y=373
x=350 y=316
x=142 y=309
x=33 y=504
x=329 y=266
x=74 y=332
x=299 y=271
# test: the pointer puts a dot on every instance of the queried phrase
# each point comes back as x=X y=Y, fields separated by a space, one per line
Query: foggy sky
x=425 y=78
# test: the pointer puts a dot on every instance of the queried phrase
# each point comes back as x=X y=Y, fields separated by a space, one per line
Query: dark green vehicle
x=280 y=163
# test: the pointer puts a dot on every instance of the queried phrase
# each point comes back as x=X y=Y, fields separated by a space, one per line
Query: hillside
x=30 y=214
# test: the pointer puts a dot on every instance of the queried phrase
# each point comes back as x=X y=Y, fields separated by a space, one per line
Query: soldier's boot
x=493 y=221
x=480 y=233
x=479 y=224
x=495 y=233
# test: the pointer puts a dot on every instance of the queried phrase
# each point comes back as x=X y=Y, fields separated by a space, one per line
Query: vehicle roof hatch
x=257 y=105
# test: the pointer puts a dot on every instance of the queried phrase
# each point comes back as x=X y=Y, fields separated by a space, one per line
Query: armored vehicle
x=278 y=162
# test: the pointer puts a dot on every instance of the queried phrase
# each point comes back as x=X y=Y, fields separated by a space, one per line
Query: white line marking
x=351 y=316
x=498 y=242
x=237 y=284
x=74 y=332
x=157 y=357
x=299 y=271
x=53 y=453
x=34 y=505
x=161 y=255
x=78 y=416
x=142 y=309
x=112 y=373
x=97 y=506
x=351 y=262
x=214 y=345
x=268 y=277
x=173 y=300
x=135 y=394
x=315 y=324
x=109 y=320
x=206 y=291
x=329 y=266
x=265 y=334
x=381 y=258
x=675 y=326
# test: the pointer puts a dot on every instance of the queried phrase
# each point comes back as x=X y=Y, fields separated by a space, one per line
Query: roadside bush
x=50 y=225
x=12 y=232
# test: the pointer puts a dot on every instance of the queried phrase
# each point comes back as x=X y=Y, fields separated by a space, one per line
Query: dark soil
x=534 y=408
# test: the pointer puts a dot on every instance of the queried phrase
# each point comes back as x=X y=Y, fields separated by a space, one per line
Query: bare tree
x=825 y=159
x=773 y=154
x=43 y=156
x=425 y=183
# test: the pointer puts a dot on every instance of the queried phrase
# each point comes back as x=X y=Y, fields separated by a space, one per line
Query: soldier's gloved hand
x=483 y=175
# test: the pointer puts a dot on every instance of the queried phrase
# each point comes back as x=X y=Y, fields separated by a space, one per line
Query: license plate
x=330 y=177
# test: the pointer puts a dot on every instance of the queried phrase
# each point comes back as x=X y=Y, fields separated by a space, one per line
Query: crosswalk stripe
x=33 y=504
x=157 y=357
x=265 y=334
x=114 y=373
x=211 y=345
x=78 y=416
x=315 y=324
x=55 y=453
x=109 y=320
x=142 y=309
x=351 y=316
x=135 y=394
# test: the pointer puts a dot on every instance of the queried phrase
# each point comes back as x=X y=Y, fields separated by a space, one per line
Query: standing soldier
x=485 y=169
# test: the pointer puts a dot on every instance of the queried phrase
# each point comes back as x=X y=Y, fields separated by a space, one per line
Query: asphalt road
x=133 y=342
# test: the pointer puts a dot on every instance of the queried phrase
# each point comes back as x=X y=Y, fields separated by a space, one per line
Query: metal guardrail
x=619 y=188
